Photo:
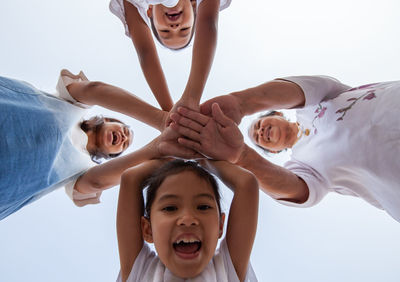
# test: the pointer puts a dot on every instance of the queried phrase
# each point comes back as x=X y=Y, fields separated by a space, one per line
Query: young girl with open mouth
x=183 y=219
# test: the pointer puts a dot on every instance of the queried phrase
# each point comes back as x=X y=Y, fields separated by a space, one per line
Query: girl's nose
x=187 y=219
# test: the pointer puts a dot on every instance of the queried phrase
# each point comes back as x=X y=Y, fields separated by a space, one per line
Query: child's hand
x=229 y=104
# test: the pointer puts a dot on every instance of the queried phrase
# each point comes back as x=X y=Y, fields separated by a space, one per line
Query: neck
x=295 y=130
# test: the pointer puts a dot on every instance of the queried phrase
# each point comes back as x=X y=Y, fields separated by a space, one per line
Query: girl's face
x=273 y=133
x=113 y=137
x=174 y=25
x=185 y=224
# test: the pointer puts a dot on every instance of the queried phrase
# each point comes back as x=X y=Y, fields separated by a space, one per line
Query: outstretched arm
x=243 y=213
x=204 y=46
x=117 y=99
x=148 y=56
x=276 y=94
x=129 y=213
x=220 y=138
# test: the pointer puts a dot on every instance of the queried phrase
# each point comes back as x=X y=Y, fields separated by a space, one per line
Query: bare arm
x=204 y=46
x=129 y=213
x=117 y=99
x=243 y=213
x=276 y=94
x=223 y=141
x=276 y=181
x=148 y=57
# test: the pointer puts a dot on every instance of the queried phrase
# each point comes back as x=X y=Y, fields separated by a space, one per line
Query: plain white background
x=341 y=239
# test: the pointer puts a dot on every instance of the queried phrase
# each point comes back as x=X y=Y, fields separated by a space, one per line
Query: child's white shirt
x=117 y=8
x=148 y=267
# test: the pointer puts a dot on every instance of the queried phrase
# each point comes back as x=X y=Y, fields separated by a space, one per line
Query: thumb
x=219 y=116
x=205 y=108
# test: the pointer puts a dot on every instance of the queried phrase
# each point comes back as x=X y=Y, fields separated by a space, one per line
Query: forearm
x=276 y=181
x=117 y=99
x=276 y=94
x=107 y=175
x=155 y=78
x=203 y=55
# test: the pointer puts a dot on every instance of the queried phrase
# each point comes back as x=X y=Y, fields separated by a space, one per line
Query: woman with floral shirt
x=345 y=140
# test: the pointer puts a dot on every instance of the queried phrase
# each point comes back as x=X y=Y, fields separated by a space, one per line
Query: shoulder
x=223 y=266
x=146 y=265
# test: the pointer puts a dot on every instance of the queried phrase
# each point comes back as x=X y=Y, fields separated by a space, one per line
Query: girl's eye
x=169 y=209
x=164 y=30
x=204 y=207
x=185 y=28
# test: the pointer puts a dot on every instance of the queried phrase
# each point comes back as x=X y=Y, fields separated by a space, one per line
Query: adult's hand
x=183 y=102
x=218 y=137
x=229 y=104
x=166 y=145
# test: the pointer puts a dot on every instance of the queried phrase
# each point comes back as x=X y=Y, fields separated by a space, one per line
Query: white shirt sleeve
x=65 y=79
x=79 y=198
x=230 y=274
x=318 y=88
x=317 y=185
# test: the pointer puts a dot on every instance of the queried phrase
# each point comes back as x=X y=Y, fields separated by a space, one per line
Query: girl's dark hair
x=268 y=114
x=174 y=167
x=94 y=124
x=157 y=36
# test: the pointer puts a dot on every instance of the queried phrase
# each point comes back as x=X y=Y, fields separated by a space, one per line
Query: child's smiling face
x=185 y=224
x=173 y=25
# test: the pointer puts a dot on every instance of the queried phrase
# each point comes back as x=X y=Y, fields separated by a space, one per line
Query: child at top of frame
x=173 y=23
x=183 y=219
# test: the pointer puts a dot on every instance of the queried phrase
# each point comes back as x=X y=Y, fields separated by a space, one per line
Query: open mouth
x=187 y=248
x=114 y=138
x=173 y=16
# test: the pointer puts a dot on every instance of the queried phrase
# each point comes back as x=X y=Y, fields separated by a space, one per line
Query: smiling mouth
x=114 y=138
x=173 y=16
x=187 y=249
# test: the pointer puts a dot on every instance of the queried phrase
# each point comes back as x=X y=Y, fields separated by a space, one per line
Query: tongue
x=187 y=248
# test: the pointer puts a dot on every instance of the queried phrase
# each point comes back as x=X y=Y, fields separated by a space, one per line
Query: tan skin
x=108 y=174
x=273 y=133
x=132 y=228
x=219 y=137
x=202 y=57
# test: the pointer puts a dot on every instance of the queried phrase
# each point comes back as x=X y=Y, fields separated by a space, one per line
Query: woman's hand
x=229 y=104
x=183 y=102
x=217 y=137
x=166 y=145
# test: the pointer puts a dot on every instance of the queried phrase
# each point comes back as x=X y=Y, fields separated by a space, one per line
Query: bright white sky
x=341 y=239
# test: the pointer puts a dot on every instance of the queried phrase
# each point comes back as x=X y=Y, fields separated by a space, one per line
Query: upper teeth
x=187 y=240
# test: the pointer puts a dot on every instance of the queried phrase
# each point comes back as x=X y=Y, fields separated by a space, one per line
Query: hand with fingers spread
x=218 y=137
x=229 y=104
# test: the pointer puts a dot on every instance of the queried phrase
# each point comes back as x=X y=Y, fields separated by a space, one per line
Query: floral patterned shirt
x=354 y=142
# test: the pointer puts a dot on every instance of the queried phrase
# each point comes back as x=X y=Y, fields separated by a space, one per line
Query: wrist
x=242 y=105
x=242 y=158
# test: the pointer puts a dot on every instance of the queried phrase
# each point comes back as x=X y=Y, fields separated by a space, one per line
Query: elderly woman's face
x=113 y=137
x=273 y=133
